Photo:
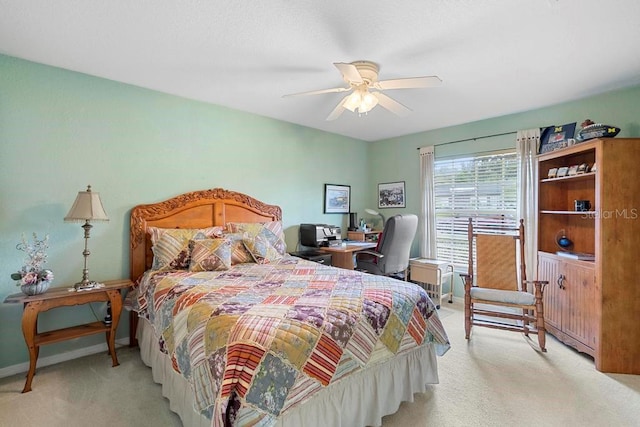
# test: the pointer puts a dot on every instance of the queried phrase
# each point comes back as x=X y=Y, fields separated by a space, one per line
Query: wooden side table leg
x=116 y=307
x=29 y=326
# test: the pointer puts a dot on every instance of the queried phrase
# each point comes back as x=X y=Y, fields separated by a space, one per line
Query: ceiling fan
x=366 y=89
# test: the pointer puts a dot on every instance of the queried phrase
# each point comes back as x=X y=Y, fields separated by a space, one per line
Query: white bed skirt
x=361 y=400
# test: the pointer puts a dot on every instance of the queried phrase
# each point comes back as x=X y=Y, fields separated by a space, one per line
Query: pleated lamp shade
x=87 y=207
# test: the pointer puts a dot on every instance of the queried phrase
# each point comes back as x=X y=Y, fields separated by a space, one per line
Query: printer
x=317 y=235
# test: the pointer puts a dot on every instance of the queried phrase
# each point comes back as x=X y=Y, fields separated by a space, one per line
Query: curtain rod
x=473 y=139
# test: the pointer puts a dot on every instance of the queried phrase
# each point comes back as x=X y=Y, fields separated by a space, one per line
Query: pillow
x=264 y=245
x=171 y=245
x=239 y=253
x=210 y=255
x=254 y=228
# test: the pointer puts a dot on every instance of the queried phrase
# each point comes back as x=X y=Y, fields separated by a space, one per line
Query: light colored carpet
x=495 y=379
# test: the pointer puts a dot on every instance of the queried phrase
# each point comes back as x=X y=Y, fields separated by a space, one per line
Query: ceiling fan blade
x=408 y=83
x=337 y=111
x=321 y=91
x=349 y=72
x=391 y=104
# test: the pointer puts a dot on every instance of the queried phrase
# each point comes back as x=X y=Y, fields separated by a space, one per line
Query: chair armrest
x=539 y=286
x=466 y=278
x=467 y=281
x=366 y=252
x=536 y=283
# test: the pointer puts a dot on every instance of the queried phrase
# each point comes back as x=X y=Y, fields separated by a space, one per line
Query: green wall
x=397 y=159
x=61 y=130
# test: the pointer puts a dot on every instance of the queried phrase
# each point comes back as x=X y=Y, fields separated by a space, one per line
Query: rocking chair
x=497 y=293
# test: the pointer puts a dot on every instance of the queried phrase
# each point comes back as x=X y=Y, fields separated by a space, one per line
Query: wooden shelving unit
x=593 y=305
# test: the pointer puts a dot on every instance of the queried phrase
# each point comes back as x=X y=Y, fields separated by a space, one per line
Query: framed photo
x=573 y=170
x=563 y=171
x=552 y=173
x=583 y=168
x=391 y=195
x=337 y=198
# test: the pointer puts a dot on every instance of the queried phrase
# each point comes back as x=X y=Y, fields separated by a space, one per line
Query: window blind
x=481 y=187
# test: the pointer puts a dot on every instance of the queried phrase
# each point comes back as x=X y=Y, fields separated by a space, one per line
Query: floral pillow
x=264 y=245
x=210 y=255
x=170 y=246
x=239 y=254
x=253 y=228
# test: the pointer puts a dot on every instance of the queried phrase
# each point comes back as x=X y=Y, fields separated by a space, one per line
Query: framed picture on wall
x=391 y=195
x=337 y=198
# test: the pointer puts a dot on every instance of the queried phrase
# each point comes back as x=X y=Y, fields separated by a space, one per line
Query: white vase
x=36 y=288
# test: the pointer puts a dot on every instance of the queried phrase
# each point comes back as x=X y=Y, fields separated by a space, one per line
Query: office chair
x=391 y=257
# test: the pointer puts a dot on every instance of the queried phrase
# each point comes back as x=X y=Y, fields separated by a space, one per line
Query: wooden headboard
x=197 y=209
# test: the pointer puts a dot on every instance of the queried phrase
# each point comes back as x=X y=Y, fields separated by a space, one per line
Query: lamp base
x=86 y=285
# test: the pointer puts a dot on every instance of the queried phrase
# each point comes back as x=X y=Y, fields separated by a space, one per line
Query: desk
x=60 y=297
x=343 y=256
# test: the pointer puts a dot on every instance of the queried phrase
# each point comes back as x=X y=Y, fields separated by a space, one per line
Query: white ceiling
x=494 y=57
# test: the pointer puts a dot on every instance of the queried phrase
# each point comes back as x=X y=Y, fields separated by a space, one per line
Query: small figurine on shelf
x=587 y=122
x=563 y=242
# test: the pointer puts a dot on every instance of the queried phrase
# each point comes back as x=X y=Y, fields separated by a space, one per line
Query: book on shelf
x=577 y=255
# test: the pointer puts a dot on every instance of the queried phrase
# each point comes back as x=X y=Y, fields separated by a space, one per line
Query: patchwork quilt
x=256 y=340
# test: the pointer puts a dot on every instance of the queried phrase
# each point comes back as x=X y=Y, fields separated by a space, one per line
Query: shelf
x=565 y=258
x=580 y=177
x=569 y=151
x=58 y=335
x=587 y=214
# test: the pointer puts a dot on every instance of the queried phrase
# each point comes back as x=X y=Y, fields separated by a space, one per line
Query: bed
x=269 y=339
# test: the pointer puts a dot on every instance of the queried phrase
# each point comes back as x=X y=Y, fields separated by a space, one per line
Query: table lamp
x=373 y=212
x=87 y=207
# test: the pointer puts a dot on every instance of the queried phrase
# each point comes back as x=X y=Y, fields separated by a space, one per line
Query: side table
x=431 y=273
x=60 y=297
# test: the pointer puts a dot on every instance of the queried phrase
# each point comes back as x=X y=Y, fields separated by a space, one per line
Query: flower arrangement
x=32 y=272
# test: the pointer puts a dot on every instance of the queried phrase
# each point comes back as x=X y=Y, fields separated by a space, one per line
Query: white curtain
x=427 y=206
x=527 y=142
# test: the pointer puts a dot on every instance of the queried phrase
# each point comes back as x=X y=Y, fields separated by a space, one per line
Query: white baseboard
x=60 y=357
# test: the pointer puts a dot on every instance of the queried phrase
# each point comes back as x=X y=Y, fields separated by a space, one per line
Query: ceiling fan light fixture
x=353 y=101
x=369 y=101
x=361 y=100
x=362 y=76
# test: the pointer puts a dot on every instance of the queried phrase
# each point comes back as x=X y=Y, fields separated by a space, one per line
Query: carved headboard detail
x=197 y=209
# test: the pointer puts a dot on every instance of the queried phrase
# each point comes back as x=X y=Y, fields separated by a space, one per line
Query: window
x=481 y=187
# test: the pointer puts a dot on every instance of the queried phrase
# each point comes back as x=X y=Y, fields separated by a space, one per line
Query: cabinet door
x=548 y=269
x=580 y=320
